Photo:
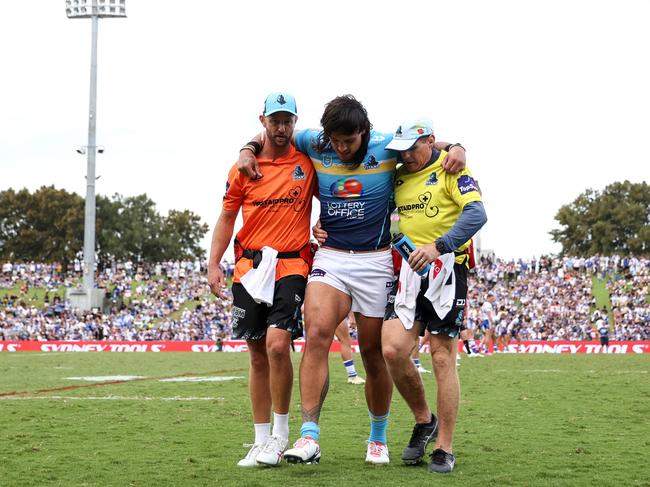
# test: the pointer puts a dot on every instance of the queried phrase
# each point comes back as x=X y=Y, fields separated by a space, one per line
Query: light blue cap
x=409 y=132
x=280 y=102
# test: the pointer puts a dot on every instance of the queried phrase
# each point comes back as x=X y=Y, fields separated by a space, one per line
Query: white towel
x=440 y=292
x=408 y=289
x=442 y=284
x=260 y=282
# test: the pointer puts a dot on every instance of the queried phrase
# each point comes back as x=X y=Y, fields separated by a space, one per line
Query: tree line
x=615 y=220
x=48 y=226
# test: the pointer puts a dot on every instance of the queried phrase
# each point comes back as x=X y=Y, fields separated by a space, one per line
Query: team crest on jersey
x=433 y=180
x=298 y=173
x=466 y=184
x=371 y=163
x=327 y=161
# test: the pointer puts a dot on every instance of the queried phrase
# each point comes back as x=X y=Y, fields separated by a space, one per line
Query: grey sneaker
x=441 y=461
x=420 y=438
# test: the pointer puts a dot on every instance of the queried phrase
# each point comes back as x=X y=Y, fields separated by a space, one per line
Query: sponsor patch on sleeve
x=467 y=184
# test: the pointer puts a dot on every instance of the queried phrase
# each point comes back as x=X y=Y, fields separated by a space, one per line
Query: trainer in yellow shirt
x=430 y=201
x=439 y=213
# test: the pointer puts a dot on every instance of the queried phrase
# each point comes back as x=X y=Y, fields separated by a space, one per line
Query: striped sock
x=349 y=366
x=416 y=362
x=378 y=425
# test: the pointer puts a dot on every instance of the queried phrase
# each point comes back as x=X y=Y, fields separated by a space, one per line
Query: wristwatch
x=440 y=247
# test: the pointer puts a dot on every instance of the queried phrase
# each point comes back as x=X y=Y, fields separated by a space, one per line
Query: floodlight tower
x=94 y=10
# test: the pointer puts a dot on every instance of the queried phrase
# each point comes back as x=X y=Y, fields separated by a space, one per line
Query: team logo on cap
x=398 y=133
x=280 y=99
x=347 y=188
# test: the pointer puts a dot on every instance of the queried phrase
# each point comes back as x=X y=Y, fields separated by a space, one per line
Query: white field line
x=110 y=378
x=106 y=378
x=618 y=372
x=109 y=398
x=201 y=379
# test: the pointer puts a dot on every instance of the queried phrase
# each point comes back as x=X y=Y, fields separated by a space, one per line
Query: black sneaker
x=420 y=438
x=441 y=461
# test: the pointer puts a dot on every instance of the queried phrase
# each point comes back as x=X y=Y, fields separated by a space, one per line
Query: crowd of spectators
x=536 y=299
x=552 y=299
x=166 y=301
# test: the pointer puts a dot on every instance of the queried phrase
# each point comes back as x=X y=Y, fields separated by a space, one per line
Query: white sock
x=262 y=432
x=281 y=425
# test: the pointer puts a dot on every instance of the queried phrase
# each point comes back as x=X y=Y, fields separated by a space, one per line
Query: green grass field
x=524 y=420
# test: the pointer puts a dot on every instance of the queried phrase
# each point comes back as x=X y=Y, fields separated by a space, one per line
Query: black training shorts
x=250 y=319
x=450 y=324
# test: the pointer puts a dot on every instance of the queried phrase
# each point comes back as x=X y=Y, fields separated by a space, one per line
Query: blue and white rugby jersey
x=355 y=204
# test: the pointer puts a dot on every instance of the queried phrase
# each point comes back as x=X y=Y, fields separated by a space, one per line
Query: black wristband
x=447 y=147
x=252 y=146
x=441 y=248
x=457 y=144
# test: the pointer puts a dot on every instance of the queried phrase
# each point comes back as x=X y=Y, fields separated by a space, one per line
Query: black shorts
x=250 y=319
x=604 y=341
x=450 y=324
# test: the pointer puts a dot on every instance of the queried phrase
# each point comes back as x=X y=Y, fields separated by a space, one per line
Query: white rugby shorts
x=366 y=277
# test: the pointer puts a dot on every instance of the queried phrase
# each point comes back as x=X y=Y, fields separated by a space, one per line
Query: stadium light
x=86 y=9
x=90 y=297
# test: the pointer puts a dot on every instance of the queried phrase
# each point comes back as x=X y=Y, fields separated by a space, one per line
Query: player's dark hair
x=345 y=115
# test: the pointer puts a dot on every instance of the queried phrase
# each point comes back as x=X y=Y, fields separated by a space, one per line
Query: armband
x=252 y=146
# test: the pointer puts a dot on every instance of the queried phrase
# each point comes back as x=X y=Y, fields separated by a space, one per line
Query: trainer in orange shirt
x=276 y=211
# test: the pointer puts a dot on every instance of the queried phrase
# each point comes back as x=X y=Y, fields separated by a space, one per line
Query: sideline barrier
x=240 y=346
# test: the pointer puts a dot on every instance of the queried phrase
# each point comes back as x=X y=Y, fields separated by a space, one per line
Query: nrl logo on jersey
x=327 y=161
x=433 y=180
x=371 y=163
x=298 y=173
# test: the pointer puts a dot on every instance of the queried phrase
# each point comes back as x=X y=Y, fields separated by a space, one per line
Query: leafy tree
x=181 y=233
x=614 y=221
x=45 y=226
x=48 y=225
